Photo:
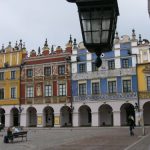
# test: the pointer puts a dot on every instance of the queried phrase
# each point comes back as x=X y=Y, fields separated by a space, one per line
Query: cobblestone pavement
x=143 y=144
x=75 y=139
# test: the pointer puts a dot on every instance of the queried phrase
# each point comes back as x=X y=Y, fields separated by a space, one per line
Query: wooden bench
x=20 y=134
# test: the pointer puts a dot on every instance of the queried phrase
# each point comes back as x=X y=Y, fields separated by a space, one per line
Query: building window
x=29 y=73
x=111 y=64
x=126 y=85
x=148 y=83
x=47 y=71
x=125 y=63
x=30 y=92
x=94 y=68
x=48 y=90
x=61 y=70
x=62 y=90
x=111 y=86
x=95 y=88
x=13 y=75
x=82 y=89
x=1 y=75
x=13 y=92
x=2 y=93
x=82 y=68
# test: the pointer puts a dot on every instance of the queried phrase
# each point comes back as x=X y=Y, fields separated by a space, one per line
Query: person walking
x=131 y=125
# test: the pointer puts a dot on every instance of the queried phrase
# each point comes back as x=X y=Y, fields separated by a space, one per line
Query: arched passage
x=48 y=116
x=65 y=116
x=85 y=116
x=14 y=117
x=2 y=116
x=146 y=112
x=126 y=110
x=105 y=115
x=31 y=117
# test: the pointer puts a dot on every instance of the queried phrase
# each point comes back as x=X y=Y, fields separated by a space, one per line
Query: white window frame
x=48 y=92
x=95 y=81
x=15 y=94
x=82 y=82
x=29 y=92
x=62 y=91
x=4 y=92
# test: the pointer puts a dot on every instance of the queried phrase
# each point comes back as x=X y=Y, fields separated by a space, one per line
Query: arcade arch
x=85 y=117
x=48 y=117
x=146 y=112
x=65 y=116
x=126 y=110
x=105 y=115
x=31 y=117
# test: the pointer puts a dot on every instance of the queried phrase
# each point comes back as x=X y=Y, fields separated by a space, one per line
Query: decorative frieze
x=144 y=95
x=101 y=97
x=104 y=74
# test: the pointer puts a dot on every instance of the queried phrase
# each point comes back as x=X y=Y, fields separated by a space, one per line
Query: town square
x=90 y=93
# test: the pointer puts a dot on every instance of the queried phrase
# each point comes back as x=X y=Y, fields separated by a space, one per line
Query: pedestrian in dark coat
x=131 y=125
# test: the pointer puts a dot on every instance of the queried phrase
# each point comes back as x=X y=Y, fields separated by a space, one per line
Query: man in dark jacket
x=131 y=125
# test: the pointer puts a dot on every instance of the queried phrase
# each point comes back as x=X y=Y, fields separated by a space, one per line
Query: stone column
x=137 y=118
x=7 y=120
x=57 y=121
x=23 y=120
x=116 y=118
x=75 y=119
x=39 y=120
x=95 y=119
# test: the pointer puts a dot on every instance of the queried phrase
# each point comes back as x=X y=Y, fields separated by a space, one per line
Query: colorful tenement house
x=106 y=96
x=64 y=88
x=143 y=74
x=46 y=87
x=10 y=65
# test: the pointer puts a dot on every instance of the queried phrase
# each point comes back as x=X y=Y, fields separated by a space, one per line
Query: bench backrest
x=20 y=133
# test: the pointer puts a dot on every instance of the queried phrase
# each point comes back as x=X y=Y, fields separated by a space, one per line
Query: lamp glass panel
x=86 y=25
x=88 y=38
x=104 y=36
x=96 y=37
x=96 y=25
x=105 y=24
x=85 y=14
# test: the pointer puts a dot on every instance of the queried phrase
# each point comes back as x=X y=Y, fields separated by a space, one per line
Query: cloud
x=35 y=20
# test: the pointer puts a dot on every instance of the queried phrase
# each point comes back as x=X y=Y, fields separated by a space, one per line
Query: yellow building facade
x=143 y=74
x=143 y=71
x=10 y=65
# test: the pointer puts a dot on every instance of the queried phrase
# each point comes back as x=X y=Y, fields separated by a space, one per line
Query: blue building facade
x=105 y=96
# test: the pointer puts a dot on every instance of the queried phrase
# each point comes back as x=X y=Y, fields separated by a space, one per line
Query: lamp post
x=20 y=108
x=137 y=105
x=20 y=111
x=68 y=59
x=98 y=19
x=140 y=114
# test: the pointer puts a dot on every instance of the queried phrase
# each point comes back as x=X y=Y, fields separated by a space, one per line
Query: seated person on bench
x=9 y=134
x=15 y=130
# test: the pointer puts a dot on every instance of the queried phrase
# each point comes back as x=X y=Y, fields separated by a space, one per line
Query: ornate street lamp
x=140 y=115
x=98 y=19
x=20 y=111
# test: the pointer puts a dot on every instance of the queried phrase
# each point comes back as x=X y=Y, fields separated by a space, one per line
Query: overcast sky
x=35 y=20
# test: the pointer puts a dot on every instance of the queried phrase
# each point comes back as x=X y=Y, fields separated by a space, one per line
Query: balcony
x=101 y=97
x=104 y=74
x=47 y=100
